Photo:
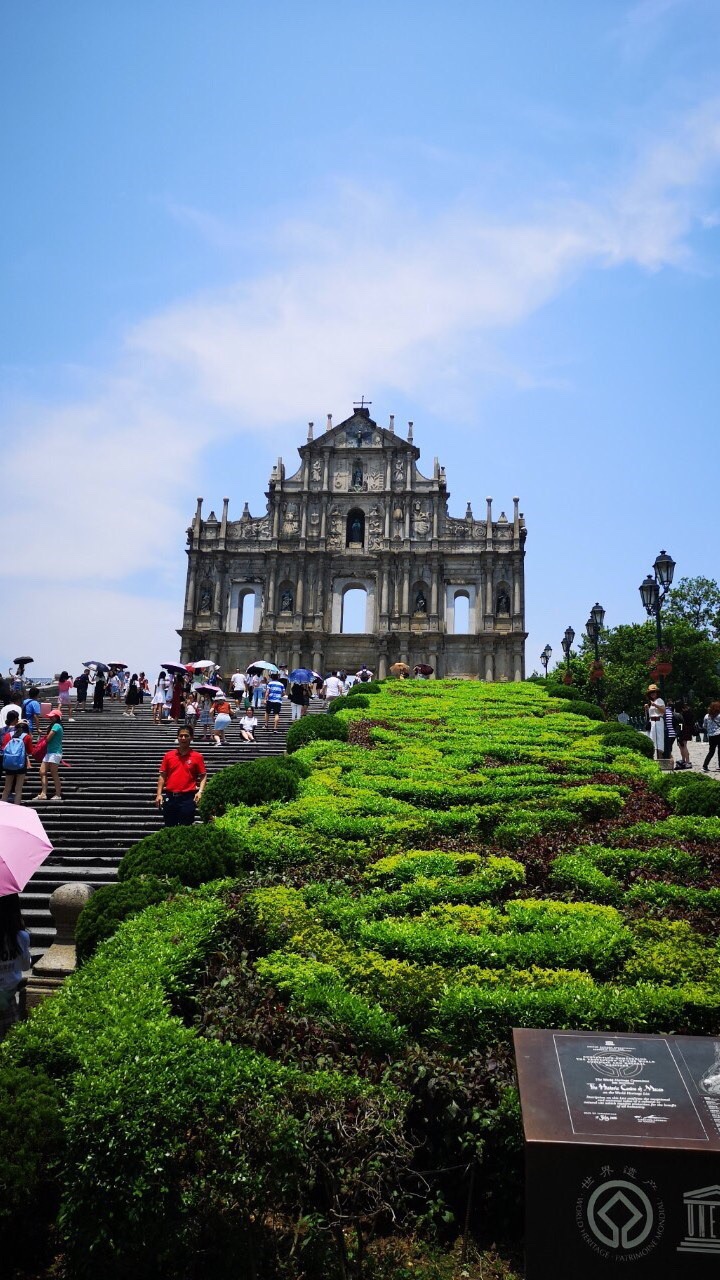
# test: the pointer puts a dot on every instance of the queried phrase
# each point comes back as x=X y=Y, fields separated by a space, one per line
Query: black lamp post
x=545 y=657
x=593 y=627
x=567 y=644
x=653 y=590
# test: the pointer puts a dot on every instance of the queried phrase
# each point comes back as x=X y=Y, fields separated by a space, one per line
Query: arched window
x=246 y=611
x=355 y=530
x=461 y=604
x=354 y=611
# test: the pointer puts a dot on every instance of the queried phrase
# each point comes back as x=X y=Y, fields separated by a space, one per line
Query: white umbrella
x=203 y=665
x=263 y=666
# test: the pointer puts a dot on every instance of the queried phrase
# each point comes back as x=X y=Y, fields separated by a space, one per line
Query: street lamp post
x=653 y=590
x=593 y=627
x=545 y=657
x=567 y=644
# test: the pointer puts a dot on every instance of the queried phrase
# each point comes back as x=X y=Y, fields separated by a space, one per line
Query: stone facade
x=358 y=514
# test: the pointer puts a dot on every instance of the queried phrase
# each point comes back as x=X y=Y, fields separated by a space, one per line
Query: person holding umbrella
x=15 y=959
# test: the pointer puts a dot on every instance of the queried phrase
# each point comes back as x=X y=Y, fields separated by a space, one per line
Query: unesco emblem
x=620 y=1216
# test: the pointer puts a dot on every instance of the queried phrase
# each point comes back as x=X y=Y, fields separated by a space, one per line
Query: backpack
x=14 y=756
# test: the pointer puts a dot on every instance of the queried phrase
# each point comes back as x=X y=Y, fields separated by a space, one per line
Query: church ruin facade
x=358 y=516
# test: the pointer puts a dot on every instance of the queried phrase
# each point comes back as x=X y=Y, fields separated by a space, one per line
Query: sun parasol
x=211 y=689
x=302 y=676
x=25 y=845
x=174 y=667
x=117 y=666
x=400 y=669
x=422 y=669
x=203 y=665
x=260 y=665
x=22 y=662
x=93 y=662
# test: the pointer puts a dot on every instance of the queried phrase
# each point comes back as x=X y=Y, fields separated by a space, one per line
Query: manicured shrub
x=566 y=691
x=312 y=727
x=191 y=855
x=112 y=904
x=627 y=738
x=697 y=795
x=580 y=708
x=349 y=700
x=32 y=1147
x=251 y=782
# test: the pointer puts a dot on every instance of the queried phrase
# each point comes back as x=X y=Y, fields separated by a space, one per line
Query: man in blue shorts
x=273 y=702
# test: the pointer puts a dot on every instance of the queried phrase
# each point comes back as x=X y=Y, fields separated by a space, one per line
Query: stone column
x=516 y=590
x=517 y=664
x=434 y=591
x=489 y=587
x=406 y=590
x=384 y=591
x=60 y=960
x=276 y=517
x=489 y=666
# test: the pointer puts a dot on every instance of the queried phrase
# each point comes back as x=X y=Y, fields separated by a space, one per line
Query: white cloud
x=367 y=293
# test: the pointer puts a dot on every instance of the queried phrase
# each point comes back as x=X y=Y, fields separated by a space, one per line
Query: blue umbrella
x=302 y=676
x=101 y=666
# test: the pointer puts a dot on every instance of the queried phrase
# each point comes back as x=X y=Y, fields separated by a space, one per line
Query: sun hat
x=54 y=715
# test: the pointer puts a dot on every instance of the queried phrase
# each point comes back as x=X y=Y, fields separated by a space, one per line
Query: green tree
x=625 y=652
x=697 y=602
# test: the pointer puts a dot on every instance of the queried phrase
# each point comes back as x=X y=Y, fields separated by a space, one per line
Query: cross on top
x=362 y=403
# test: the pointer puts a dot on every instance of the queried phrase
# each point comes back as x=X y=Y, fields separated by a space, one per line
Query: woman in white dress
x=656 y=713
x=158 y=699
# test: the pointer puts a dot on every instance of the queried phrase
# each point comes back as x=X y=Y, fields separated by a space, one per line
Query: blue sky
x=501 y=221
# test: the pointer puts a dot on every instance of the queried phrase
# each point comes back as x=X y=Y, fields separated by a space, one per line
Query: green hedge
x=32 y=1148
x=313 y=727
x=251 y=782
x=579 y=708
x=695 y=795
x=349 y=700
x=192 y=855
x=109 y=906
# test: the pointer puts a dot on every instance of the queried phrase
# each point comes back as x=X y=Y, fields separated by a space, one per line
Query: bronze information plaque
x=622 y=1148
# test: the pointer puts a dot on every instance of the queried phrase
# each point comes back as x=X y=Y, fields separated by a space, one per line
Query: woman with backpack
x=14 y=958
x=15 y=744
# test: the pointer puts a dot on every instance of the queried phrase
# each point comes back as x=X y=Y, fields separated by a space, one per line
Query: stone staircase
x=108 y=799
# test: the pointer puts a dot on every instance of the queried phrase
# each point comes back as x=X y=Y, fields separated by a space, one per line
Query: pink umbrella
x=24 y=846
x=207 y=688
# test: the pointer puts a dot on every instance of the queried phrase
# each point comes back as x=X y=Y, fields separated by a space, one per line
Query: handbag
x=39 y=750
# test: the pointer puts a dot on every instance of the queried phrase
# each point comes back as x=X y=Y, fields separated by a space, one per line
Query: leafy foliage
x=112 y=904
x=192 y=855
x=250 y=782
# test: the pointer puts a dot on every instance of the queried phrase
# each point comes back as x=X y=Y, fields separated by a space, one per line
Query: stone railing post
x=60 y=960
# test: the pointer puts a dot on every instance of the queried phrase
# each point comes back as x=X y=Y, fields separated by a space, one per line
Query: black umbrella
x=21 y=662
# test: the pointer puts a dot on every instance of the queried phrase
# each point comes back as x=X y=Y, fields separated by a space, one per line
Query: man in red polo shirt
x=181 y=782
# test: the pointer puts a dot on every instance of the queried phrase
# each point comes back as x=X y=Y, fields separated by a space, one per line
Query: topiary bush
x=348 y=700
x=579 y=708
x=250 y=783
x=191 y=855
x=696 y=795
x=112 y=904
x=561 y=691
x=32 y=1144
x=618 y=735
x=310 y=728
